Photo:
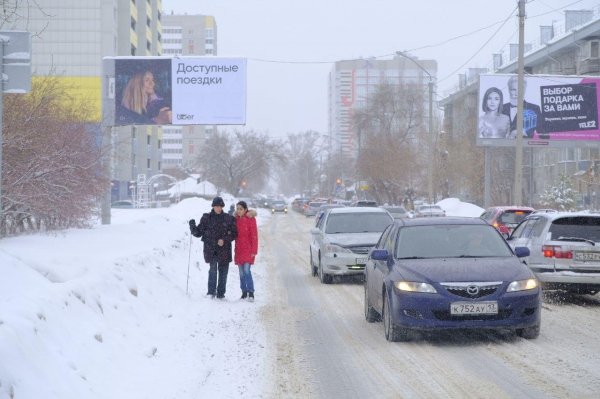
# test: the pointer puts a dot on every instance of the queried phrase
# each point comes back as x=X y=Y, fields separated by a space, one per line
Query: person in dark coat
x=217 y=229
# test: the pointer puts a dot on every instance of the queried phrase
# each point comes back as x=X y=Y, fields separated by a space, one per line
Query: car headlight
x=522 y=285
x=412 y=286
x=336 y=248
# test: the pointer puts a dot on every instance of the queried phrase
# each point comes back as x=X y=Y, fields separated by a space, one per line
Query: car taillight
x=556 y=251
x=501 y=228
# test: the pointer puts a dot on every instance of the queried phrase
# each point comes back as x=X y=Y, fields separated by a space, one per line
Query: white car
x=564 y=249
x=341 y=240
x=429 y=211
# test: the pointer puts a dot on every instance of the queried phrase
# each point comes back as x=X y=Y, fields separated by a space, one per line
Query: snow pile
x=455 y=207
x=103 y=313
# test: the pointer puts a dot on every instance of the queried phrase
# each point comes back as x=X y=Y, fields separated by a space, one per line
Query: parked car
x=564 y=249
x=364 y=203
x=122 y=204
x=423 y=211
x=340 y=242
x=449 y=273
x=324 y=208
x=506 y=218
x=279 y=206
x=398 y=212
x=312 y=207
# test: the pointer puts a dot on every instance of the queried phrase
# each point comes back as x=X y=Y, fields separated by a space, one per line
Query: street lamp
x=430 y=86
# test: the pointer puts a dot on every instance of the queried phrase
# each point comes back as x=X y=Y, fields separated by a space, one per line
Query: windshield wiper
x=576 y=239
x=412 y=257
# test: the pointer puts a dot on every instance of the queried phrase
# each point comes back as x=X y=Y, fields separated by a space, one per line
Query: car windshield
x=583 y=227
x=357 y=223
x=278 y=203
x=513 y=217
x=450 y=241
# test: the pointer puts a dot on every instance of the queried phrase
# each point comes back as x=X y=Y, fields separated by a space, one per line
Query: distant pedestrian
x=246 y=247
x=218 y=230
x=231 y=210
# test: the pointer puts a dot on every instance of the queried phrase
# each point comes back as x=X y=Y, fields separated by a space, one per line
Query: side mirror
x=314 y=230
x=522 y=252
x=379 y=254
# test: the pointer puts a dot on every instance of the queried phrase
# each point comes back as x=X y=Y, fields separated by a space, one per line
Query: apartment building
x=568 y=47
x=187 y=35
x=352 y=82
x=69 y=39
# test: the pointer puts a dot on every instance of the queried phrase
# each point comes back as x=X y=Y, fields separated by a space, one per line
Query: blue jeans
x=246 y=283
x=213 y=286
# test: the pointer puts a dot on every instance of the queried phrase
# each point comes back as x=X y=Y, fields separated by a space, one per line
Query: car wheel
x=324 y=277
x=370 y=314
x=393 y=333
x=529 y=332
x=313 y=268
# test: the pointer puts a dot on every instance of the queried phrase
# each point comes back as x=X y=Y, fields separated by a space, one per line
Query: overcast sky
x=291 y=44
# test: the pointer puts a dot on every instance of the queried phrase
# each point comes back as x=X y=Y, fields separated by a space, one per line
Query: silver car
x=564 y=249
x=429 y=211
x=341 y=240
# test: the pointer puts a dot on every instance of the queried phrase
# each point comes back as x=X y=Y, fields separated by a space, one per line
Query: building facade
x=567 y=48
x=187 y=35
x=69 y=40
x=352 y=82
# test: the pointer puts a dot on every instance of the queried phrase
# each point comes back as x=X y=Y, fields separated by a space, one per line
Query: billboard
x=174 y=91
x=557 y=110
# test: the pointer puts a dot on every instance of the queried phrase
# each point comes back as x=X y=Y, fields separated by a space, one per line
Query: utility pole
x=431 y=144
x=517 y=194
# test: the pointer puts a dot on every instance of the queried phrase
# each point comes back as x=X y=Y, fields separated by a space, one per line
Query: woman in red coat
x=246 y=247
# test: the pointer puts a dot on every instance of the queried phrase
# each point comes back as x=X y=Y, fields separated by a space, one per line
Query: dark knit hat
x=218 y=201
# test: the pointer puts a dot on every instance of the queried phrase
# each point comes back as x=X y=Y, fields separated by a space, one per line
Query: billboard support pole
x=106 y=170
x=517 y=194
x=487 y=185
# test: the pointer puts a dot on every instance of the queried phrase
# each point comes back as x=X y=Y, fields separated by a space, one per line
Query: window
x=594 y=49
x=148 y=139
x=148 y=162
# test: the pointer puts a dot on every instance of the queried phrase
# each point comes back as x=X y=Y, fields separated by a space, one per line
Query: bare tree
x=387 y=129
x=303 y=163
x=238 y=160
x=51 y=165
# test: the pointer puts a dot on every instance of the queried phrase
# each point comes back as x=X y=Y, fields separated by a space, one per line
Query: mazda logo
x=473 y=290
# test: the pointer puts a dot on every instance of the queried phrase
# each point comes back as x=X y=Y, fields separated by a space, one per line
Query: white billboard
x=174 y=91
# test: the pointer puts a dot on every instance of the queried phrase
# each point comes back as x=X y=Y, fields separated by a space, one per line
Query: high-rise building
x=352 y=82
x=69 y=39
x=187 y=35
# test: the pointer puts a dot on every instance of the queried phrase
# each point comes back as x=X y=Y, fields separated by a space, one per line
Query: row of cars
x=449 y=273
x=428 y=273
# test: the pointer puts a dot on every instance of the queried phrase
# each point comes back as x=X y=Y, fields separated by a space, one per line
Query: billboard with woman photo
x=556 y=109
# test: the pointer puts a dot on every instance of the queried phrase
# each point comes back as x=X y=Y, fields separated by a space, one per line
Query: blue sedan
x=449 y=273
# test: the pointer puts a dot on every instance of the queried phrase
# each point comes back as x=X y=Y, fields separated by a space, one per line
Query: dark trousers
x=220 y=269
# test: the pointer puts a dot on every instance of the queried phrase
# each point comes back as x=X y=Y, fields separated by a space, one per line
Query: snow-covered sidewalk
x=103 y=313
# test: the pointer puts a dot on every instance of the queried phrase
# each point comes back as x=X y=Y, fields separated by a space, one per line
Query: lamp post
x=430 y=129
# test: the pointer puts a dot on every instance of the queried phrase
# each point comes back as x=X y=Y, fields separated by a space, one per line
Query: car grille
x=472 y=290
x=360 y=250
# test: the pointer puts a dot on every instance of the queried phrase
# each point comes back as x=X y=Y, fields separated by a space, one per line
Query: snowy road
x=323 y=347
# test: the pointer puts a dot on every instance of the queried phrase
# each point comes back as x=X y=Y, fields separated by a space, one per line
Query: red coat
x=246 y=243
